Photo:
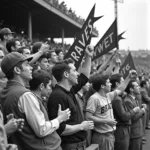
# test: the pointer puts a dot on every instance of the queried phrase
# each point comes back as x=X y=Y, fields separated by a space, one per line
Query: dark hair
x=130 y=85
x=57 y=51
x=140 y=77
x=42 y=57
x=11 y=43
x=58 y=71
x=114 y=79
x=39 y=76
x=36 y=47
x=90 y=92
x=143 y=82
x=49 y=54
x=21 y=49
x=60 y=68
x=98 y=81
x=66 y=61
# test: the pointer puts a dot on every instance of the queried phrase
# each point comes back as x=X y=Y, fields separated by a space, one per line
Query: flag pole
x=116 y=17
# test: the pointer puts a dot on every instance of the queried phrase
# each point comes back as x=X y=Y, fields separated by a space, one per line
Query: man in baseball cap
x=5 y=35
x=18 y=72
x=27 y=105
x=11 y=60
x=5 y=31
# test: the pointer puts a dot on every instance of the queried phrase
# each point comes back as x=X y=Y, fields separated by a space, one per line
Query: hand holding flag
x=89 y=50
x=77 y=50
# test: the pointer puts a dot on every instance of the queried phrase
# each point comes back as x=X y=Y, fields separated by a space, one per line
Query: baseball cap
x=11 y=60
x=5 y=31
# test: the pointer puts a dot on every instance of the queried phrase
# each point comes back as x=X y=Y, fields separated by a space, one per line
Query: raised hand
x=132 y=74
x=44 y=48
x=89 y=50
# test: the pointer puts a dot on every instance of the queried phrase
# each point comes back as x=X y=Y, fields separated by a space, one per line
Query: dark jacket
x=121 y=113
x=136 y=121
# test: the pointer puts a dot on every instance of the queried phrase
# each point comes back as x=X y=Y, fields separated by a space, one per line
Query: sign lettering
x=76 y=51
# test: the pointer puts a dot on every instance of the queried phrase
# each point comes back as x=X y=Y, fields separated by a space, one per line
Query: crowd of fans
x=46 y=104
x=69 y=12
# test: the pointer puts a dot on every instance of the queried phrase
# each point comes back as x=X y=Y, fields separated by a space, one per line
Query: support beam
x=30 y=25
x=63 y=35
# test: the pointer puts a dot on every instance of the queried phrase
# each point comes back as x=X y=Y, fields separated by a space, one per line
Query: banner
x=76 y=51
x=107 y=42
x=127 y=66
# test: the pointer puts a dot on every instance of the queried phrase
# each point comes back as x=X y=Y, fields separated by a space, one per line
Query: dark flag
x=107 y=42
x=127 y=66
x=76 y=51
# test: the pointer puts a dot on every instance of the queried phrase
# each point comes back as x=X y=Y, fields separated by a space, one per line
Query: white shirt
x=29 y=105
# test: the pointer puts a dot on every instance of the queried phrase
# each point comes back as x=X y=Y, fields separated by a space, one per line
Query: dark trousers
x=88 y=139
x=135 y=144
x=74 y=146
x=105 y=140
x=122 y=137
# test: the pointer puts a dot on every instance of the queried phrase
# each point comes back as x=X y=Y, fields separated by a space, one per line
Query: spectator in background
x=46 y=56
x=122 y=116
x=13 y=45
x=24 y=51
x=43 y=63
x=38 y=50
x=5 y=35
x=60 y=54
x=36 y=47
x=145 y=100
x=52 y=58
x=81 y=98
x=3 y=80
x=141 y=77
x=131 y=102
x=42 y=81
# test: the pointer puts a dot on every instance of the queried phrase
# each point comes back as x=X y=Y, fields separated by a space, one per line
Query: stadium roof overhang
x=47 y=21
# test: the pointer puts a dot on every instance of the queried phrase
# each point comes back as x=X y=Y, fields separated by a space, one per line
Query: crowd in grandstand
x=69 y=12
x=46 y=104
